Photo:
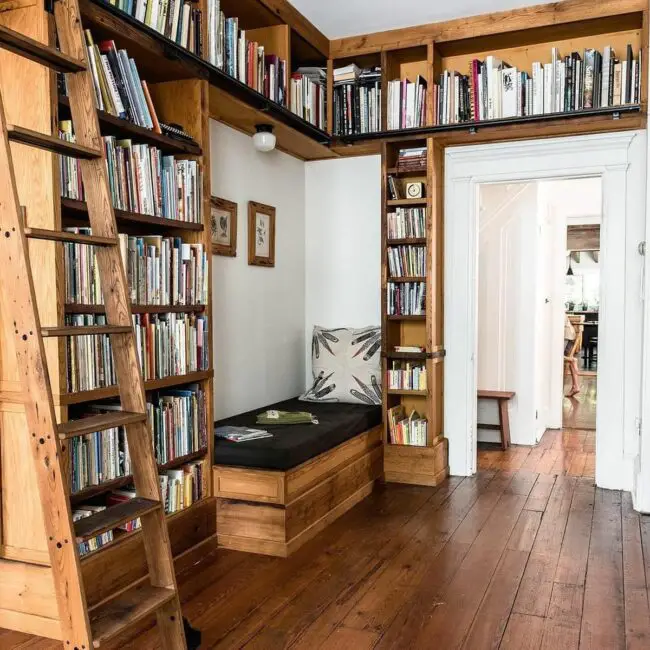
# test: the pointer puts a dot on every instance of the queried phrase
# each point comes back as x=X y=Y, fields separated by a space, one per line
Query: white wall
x=258 y=322
x=343 y=245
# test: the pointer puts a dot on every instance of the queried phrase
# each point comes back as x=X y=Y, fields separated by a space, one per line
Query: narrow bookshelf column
x=415 y=448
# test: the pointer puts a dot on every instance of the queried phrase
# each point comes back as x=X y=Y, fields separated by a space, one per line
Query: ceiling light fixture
x=264 y=139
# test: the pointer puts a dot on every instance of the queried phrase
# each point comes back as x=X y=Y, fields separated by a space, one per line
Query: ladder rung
x=99 y=422
x=50 y=143
x=30 y=49
x=114 y=516
x=86 y=330
x=114 y=616
x=71 y=237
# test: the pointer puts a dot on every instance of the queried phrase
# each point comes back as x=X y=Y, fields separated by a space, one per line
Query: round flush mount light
x=264 y=139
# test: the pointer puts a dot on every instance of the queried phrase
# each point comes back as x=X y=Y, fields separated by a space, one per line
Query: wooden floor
x=579 y=412
x=521 y=556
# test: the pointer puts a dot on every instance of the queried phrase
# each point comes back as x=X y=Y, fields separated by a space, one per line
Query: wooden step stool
x=502 y=397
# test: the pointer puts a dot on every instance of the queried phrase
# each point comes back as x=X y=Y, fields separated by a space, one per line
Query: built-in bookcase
x=422 y=464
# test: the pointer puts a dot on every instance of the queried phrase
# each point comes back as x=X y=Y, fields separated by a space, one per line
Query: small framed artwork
x=261 y=234
x=223 y=223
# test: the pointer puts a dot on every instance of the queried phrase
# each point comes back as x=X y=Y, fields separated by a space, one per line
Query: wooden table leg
x=504 y=423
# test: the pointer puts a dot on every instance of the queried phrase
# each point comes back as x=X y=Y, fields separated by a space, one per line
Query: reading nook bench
x=274 y=494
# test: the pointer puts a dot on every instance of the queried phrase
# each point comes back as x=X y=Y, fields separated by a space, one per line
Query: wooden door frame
x=620 y=159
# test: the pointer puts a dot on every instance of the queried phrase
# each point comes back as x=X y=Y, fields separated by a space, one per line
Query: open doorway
x=528 y=286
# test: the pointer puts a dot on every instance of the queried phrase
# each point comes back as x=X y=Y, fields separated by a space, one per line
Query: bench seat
x=274 y=494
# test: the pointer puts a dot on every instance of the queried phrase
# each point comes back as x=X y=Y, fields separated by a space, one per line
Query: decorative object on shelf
x=414 y=190
x=264 y=139
x=346 y=366
x=261 y=234
x=223 y=224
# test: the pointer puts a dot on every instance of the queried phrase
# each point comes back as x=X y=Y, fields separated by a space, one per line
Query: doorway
x=618 y=161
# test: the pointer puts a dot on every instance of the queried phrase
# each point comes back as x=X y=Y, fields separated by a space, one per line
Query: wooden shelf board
x=79 y=210
x=407 y=241
x=414 y=355
x=406 y=202
x=416 y=317
x=408 y=278
x=115 y=484
x=410 y=393
x=112 y=125
x=136 y=309
x=394 y=171
x=66 y=399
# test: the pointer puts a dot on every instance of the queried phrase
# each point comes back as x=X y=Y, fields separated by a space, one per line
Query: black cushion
x=294 y=444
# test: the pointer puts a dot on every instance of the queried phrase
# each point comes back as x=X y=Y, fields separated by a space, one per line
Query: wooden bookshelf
x=424 y=331
x=136 y=309
x=180 y=95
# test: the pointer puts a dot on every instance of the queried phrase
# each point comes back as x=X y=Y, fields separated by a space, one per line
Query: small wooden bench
x=502 y=397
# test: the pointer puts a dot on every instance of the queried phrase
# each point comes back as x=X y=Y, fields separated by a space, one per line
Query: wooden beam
x=583 y=238
x=545 y=15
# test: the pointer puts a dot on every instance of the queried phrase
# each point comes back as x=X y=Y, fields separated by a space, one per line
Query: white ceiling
x=338 y=18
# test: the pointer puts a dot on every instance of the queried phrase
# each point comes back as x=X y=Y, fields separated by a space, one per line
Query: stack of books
x=407 y=261
x=160 y=271
x=96 y=542
x=119 y=90
x=230 y=51
x=404 y=375
x=89 y=358
x=170 y=345
x=407 y=104
x=412 y=160
x=406 y=298
x=407 y=223
x=141 y=178
x=406 y=431
x=178 y=422
x=181 y=487
x=308 y=94
x=98 y=457
x=357 y=100
x=180 y=21
x=495 y=90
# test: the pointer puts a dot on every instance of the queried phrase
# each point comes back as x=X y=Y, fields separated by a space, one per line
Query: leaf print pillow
x=346 y=366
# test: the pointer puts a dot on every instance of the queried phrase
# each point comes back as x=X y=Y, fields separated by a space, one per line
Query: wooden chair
x=502 y=398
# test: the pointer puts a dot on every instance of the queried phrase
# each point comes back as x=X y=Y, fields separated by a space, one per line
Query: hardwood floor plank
x=522 y=482
x=345 y=637
x=537 y=584
x=540 y=493
x=637 y=610
x=603 y=621
x=524 y=632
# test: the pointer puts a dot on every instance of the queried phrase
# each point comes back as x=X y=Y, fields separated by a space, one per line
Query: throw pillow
x=346 y=366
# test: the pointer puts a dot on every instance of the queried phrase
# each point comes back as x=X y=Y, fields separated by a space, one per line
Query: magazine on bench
x=241 y=434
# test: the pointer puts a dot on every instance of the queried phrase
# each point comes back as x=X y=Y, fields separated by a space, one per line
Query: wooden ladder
x=82 y=629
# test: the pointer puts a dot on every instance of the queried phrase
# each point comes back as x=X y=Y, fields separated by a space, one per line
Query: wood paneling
x=583 y=238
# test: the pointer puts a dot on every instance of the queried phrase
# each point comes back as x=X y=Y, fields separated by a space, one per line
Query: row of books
x=407 y=104
x=404 y=375
x=357 y=100
x=407 y=261
x=171 y=344
x=179 y=20
x=308 y=96
x=406 y=298
x=160 y=271
x=230 y=51
x=179 y=489
x=168 y=345
x=494 y=89
x=178 y=426
x=141 y=179
x=406 y=222
x=403 y=430
x=413 y=159
x=178 y=422
x=118 y=88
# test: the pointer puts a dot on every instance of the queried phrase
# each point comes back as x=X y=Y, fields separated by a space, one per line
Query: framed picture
x=223 y=223
x=261 y=234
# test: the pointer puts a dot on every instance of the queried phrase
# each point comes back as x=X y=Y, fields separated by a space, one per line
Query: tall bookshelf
x=424 y=464
x=177 y=100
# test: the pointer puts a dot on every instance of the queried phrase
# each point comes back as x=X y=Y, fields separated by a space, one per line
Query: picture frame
x=223 y=226
x=261 y=234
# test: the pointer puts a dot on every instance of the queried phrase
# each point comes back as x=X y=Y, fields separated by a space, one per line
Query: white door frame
x=620 y=160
